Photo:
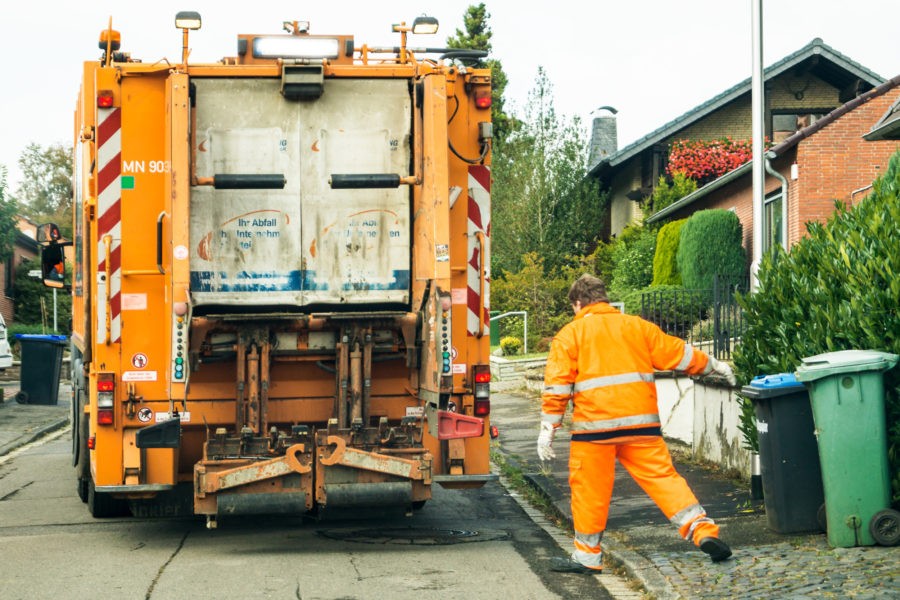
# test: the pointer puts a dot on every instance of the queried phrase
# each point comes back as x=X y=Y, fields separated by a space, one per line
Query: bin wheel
x=885 y=527
x=22 y=397
x=822 y=518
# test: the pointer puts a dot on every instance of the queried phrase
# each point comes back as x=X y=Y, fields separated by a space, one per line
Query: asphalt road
x=463 y=544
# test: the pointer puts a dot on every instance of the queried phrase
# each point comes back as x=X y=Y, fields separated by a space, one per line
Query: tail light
x=483 y=98
x=482 y=376
x=106 y=398
x=105 y=99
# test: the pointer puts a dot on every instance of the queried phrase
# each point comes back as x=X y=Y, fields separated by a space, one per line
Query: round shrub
x=510 y=345
x=711 y=244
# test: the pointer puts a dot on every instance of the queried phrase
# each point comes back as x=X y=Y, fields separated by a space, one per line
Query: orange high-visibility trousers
x=591 y=477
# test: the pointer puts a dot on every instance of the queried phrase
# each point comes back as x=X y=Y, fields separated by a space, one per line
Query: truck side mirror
x=53 y=266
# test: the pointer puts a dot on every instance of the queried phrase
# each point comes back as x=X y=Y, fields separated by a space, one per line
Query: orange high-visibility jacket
x=604 y=361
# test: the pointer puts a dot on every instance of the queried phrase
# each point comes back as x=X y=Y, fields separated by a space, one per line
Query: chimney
x=604 y=139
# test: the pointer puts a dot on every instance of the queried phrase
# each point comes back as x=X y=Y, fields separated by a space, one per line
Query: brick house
x=799 y=89
x=26 y=248
x=823 y=162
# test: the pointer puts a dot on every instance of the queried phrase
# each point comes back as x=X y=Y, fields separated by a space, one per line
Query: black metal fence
x=709 y=319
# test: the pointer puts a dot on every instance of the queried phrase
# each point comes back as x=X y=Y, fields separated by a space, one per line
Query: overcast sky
x=652 y=60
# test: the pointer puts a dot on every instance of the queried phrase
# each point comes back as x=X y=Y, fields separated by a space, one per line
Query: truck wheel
x=82 y=460
x=885 y=527
x=104 y=506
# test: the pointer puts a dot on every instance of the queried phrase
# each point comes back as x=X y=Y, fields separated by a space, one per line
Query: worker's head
x=586 y=290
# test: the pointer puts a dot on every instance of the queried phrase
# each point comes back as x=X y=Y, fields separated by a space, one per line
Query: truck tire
x=104 y=506
x=82 y=459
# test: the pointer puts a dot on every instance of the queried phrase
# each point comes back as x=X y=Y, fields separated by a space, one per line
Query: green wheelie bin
x=846 y=390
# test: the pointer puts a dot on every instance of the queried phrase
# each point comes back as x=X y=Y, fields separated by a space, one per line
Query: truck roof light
x=110 y=37
x=104 y=99
x=424 y=24
x=187 y=19
x=284 y=46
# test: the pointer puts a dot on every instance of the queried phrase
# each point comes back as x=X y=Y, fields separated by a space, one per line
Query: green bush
x=674 y=308
x=666 y=194
x=838 y=289
x=711 y=244
x=510 y=346
x=633 y=258
x=665 y=266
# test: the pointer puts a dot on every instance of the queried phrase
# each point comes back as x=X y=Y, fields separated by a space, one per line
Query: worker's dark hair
x=588 y=289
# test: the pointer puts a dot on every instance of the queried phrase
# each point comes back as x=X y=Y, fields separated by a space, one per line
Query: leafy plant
x=633 y=258
x=838 y=289
x=703 y=160
x=666 y=194
x=510 y=345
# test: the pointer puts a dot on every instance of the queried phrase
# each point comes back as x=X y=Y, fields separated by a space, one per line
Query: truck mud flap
x=162 y=435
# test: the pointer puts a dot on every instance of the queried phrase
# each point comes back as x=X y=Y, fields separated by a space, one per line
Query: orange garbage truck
x=280 y=279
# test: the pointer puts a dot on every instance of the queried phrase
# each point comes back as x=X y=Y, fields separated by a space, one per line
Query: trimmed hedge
x=838 y=289
x=711 y=244
x=665 y=266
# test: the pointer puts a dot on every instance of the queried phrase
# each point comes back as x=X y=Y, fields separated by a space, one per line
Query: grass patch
x=515 y=480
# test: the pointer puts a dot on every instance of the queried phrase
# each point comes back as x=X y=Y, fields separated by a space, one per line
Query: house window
x=773 y=219
x=784 y=124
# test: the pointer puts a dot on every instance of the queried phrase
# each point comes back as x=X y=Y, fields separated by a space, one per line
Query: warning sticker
x=415 y=411
x=144 y=415
x=162 y=416
x=139 y=360
x=459 y=295
x=442 y=253
x=134 y=301
x=139 y=376
x=459 y=369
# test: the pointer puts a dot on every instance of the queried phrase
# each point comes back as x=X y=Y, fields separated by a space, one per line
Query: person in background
x=604 y=361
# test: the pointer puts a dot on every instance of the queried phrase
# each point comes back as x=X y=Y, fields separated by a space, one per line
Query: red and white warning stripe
x=109 y=221
x=479 y=221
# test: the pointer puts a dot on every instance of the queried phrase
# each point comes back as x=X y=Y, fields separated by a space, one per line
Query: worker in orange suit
x=604 y=362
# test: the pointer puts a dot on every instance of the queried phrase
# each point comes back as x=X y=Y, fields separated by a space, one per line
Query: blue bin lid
x=39 y=337
x=777 y=381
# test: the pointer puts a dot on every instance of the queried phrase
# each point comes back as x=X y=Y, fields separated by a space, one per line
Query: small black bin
x=788 y=453
x=41 y=368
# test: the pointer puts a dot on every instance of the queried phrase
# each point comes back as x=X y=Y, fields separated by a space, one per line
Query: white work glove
x=545 y=442
x=723 y=369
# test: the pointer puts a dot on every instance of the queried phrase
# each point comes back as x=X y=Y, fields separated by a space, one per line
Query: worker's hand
x=723 y=369
x=545 y=442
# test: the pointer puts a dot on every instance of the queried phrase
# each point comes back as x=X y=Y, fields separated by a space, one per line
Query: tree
x=477 y=36
x=45 y=193
x=8 y=211
x=543 y=201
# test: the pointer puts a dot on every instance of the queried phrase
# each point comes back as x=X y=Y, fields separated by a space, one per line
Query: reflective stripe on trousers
x=591 y=477
x=587 y=550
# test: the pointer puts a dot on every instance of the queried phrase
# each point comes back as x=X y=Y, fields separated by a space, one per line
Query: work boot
x=567 y=565
x=716 y=548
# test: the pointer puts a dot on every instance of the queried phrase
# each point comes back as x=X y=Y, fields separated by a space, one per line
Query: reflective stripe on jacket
x=605 y=362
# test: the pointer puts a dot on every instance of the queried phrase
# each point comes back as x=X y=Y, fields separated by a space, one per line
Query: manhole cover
x=414 y=537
